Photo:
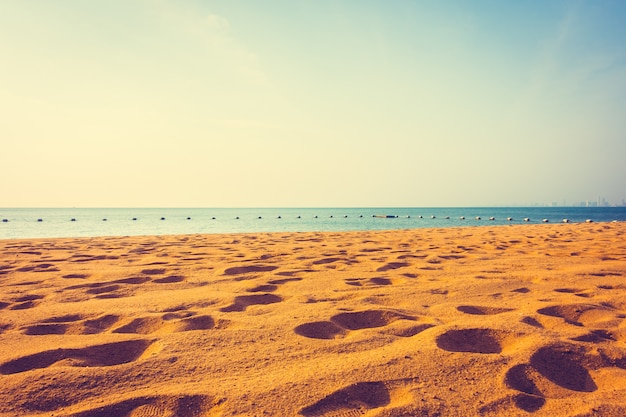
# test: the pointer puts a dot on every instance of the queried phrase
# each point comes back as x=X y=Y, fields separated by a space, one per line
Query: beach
x=512 y=320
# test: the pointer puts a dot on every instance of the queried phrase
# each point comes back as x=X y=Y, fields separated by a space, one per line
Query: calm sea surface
x=37 y=222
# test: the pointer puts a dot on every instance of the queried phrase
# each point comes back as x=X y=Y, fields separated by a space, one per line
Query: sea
x=19 y=223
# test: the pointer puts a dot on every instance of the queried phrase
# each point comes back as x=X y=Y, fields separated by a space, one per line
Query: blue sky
x=311 y=103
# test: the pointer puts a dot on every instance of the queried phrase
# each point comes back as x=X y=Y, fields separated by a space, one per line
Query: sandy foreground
x=481 y=321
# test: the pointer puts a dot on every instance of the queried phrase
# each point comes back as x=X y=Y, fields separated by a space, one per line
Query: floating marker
x=565 y=220
x=545 y=220
x=72 y=220
x=509 y=218
x=492 y=218
x=462 y=218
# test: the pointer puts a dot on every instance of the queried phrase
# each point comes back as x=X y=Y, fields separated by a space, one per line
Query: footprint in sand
x=168 y=323
x=39 y=267
x=352 y=401
x=594 y=315
x=76 y=276
x=179 y=406
x=71 y=324
x=477 y=340
x=25 y=302
x=169 y=279
x=340 y=324
x=244 y=301
x=370 y=282
x=483 y=311
x=558 y=371
x=392 y=265
x=110 y=289
x=109 y=354
x=240 y=270
x=155 y=271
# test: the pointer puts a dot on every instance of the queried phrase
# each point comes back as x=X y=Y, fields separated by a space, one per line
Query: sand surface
x=526 y=320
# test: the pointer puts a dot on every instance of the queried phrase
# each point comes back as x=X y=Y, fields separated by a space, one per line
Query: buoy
x=509 y=218
x=589 y=221
x=477 y=217
x=72 y=219
x=299 y=217
x=447 y=217
x=213 y=218
x=545 y=220
x=237 y=218
x=188 y=218
x=565 y=220
x=408 y=217
x=432 y=217
x=526 y=219
x=162 y=218
x=134 y=218
x=104 y=220
x=315 y=217
x=39 y=220
x=259 y=217
x=361 y=216
x=331 y=216
x=345 y=216
x=420 y=216
x=5 y=220
x=462 y=217
x=492 y=218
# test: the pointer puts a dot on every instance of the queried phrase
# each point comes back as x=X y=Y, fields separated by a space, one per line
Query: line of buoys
x=345 y=216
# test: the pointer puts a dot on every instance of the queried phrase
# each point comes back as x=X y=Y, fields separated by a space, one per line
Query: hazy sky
x=181 y=103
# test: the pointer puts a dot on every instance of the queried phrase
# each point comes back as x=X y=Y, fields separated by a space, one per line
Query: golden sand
x=483 y=321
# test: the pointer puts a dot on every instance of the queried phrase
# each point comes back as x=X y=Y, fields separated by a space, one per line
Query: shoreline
x=347 y=232
x=454 y=321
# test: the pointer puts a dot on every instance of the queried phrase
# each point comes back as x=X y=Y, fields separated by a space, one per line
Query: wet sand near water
x=523 y=320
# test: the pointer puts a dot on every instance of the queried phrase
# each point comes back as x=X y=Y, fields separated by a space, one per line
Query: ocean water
x=82 y=222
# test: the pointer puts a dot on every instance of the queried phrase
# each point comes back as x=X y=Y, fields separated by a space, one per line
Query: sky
x=311 y=103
